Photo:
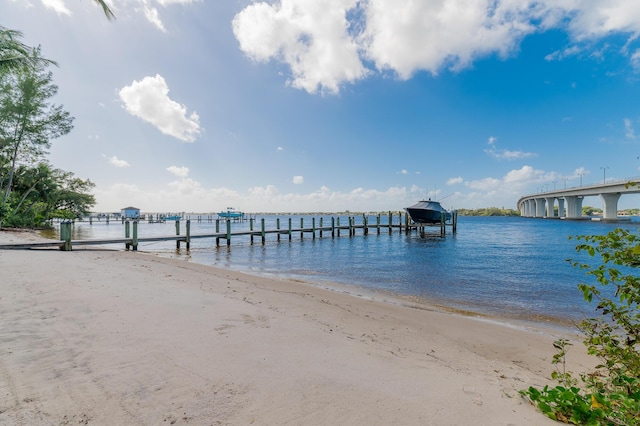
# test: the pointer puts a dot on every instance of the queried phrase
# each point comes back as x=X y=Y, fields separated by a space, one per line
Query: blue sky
x=332 y=105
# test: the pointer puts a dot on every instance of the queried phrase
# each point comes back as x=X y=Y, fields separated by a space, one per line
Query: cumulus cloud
x=115 y=161
x=455 y=180
x=182 y=172
x=149 y=100
x=298 y=180
x=311 y=37
x=326 y=43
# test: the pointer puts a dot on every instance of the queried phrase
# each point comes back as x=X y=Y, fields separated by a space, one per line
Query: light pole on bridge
x=604 y=174
x=580 y=174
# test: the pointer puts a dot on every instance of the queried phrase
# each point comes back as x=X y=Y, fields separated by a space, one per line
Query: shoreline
x=544 y=322
x=106 y=336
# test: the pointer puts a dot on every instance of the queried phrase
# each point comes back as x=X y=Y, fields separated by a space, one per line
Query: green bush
x=611 y=393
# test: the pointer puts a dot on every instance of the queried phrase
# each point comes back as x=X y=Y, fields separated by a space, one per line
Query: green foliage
x=488 y=211
x=588 y=210
x=42 y=193
x=611 y=393
x=16 y=55
x=31 y=191
x=28 y=122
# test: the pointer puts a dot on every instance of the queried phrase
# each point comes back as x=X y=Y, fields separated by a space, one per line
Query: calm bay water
x=501 y=266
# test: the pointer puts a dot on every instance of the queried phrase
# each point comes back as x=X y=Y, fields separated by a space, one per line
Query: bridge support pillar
x=530 y=207
x=610 y=205
x=574 y=206
x=539 y=207
x=550 y=206
x=560 y=207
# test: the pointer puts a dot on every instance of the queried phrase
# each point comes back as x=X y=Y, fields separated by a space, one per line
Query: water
x=499 y=266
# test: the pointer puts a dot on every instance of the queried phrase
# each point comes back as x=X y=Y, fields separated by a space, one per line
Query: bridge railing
x=586 y=186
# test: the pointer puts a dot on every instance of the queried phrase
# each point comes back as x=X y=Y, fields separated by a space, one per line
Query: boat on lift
x=231 y=213
x=428 y=211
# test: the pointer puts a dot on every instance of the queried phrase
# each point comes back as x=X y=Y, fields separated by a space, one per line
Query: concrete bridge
x=543 y=204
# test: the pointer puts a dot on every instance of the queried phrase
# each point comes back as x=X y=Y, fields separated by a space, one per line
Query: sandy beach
x=105 y=337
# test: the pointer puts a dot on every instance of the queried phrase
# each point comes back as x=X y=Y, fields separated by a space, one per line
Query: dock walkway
x=132 y=240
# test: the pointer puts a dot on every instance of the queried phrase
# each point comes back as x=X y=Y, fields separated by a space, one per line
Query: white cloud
x=115 y=161
x=280 y=148
x=182 y=172
x=57 y=5
x=455 y=180
x=432 y=35
x=403 y=172
x=629 y=132
x=298 y=180
x=505 y=154
x=148 y=99
x=593 y=19
x=185 y=186
x=151 y=13
x=311 y=37
x=325 y=43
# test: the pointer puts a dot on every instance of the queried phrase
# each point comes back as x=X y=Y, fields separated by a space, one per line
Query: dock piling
x=188 y=236
x=135 y=236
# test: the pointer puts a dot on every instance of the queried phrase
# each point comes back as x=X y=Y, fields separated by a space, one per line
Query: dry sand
x=121 y=338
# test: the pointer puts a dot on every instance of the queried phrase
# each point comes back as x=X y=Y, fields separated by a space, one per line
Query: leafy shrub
x=611 y=394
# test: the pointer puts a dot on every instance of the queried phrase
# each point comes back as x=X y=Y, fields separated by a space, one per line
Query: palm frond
x=105 y=8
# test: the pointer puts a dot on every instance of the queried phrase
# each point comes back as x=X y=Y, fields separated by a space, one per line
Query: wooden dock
x=131 y=239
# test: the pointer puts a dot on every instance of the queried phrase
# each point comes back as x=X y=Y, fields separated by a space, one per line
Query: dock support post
x=228 y=232
x=278 y=227
x=301 y=228
x=320 y=227
x=338 y=226
x=333 y=227
x=289 y=229
x=365 y=222
x=351 y=229
x=127 y=233
x=443 y=229
x=217 y=232
x=65 y=235
x=378 y=223
x=407 y=229
x=177 y=233
x=313 y=227
x=188 y=239
x=251 y=229
x=454 y=222
x=262 y=232
x=135 y=235
x=390 y=221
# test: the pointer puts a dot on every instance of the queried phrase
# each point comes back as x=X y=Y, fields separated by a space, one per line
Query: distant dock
x=317 y=228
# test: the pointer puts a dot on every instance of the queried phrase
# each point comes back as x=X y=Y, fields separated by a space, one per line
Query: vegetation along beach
x=462 y=238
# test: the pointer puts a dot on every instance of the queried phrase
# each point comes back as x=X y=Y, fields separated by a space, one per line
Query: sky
x=334 y=105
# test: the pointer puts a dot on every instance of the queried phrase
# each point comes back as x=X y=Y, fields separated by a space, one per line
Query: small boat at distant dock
x=428 y=211
x=231 y=213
